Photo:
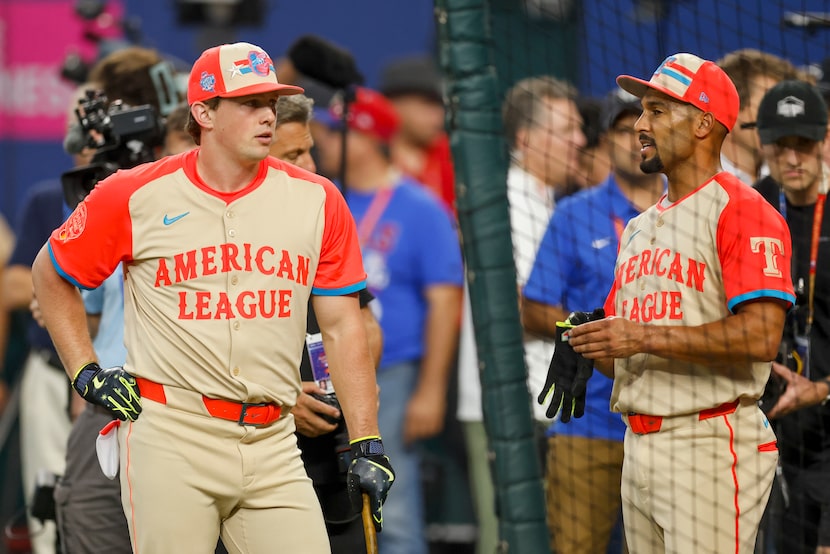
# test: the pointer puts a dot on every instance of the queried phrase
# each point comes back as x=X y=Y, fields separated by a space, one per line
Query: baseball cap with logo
x=692 y=80
x=370 y=112
x=792 y=109
x=233 y=70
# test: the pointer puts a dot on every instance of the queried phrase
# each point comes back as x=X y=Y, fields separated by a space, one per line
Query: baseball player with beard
x=222 y=247
x=702 y=285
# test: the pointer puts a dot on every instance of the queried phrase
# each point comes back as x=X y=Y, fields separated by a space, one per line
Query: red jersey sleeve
x=340 y=270
x=755 y=250
x=97 y=236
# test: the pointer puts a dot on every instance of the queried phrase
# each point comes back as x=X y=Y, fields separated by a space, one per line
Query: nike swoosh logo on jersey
x=601 y=243
x=633 y=235
x=171 y=220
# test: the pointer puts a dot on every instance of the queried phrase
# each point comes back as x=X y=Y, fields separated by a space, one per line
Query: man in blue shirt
x=413 y=265
x=573 y=271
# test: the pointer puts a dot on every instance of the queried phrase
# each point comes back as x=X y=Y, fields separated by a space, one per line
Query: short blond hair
x=744 y=65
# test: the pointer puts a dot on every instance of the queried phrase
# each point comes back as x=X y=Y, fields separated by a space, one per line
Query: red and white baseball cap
x=233 y=70
x=692 y=80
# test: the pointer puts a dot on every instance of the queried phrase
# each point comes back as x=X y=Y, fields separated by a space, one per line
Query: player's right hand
x=370 y=473
x=113 y=388
x=569 y=372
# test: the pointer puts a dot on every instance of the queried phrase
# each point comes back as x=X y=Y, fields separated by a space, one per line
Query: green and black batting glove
x=569 y=372
x=113 y=388
x=370 y=473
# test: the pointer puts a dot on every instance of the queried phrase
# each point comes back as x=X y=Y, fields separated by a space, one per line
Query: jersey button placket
x=231 y=283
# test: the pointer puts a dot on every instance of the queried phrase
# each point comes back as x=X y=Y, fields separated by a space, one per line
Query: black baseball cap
x=412 y=75
x=792 y=108
x=615 y=104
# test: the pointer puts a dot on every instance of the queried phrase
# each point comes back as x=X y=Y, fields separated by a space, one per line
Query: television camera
x=123 y=136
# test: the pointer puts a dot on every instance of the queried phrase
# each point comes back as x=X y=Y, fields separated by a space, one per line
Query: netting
x=674 y=453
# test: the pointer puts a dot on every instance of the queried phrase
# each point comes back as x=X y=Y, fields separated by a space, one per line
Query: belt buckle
x=244 y=411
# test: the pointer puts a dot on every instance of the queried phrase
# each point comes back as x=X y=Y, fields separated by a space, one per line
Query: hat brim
x=639 y=87
x=808 y=131
x=280 y=89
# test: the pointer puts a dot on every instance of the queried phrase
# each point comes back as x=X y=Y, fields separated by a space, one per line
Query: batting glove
x=370 y=473
x=113 y=388
x=569 y=372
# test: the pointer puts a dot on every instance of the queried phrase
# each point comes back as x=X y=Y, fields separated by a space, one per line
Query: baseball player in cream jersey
x=702 y=285
x=222 y=247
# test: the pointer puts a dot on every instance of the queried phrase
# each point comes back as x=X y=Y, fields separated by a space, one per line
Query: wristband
x=83 y=376
x=368 y=446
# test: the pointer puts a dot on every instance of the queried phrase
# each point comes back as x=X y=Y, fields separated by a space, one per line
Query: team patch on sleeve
x=771 y=248
x=75 y=225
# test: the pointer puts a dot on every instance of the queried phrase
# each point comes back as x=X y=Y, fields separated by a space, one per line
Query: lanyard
x=373 y=214
x=818 y=215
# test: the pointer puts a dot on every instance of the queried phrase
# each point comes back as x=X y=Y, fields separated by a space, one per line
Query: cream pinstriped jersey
x=689 y=264
x=216 y=285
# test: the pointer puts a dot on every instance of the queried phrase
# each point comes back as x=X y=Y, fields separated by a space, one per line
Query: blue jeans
x=403 y=512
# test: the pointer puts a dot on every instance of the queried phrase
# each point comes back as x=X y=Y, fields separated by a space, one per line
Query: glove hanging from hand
x=370 y=472
x=569 y=372
x=113 y=388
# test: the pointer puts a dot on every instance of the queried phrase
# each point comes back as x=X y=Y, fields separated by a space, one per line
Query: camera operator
x=88 y=505
x=792 y=124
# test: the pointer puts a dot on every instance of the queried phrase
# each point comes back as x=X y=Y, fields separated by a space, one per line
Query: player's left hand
x=370 y=473
x=113 y=388
x=569 y=372
x=611 y=337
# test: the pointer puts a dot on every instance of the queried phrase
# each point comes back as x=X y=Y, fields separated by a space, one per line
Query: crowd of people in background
x=574 y=182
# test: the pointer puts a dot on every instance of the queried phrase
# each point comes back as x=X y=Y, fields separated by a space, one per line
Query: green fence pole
x=480 y=154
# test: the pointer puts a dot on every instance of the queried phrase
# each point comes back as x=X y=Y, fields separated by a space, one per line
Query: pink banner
x=35 y=38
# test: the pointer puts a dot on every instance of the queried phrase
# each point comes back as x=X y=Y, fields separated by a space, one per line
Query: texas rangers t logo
x=771 y=248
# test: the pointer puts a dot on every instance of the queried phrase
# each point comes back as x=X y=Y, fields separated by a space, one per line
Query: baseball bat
x=369 y=527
